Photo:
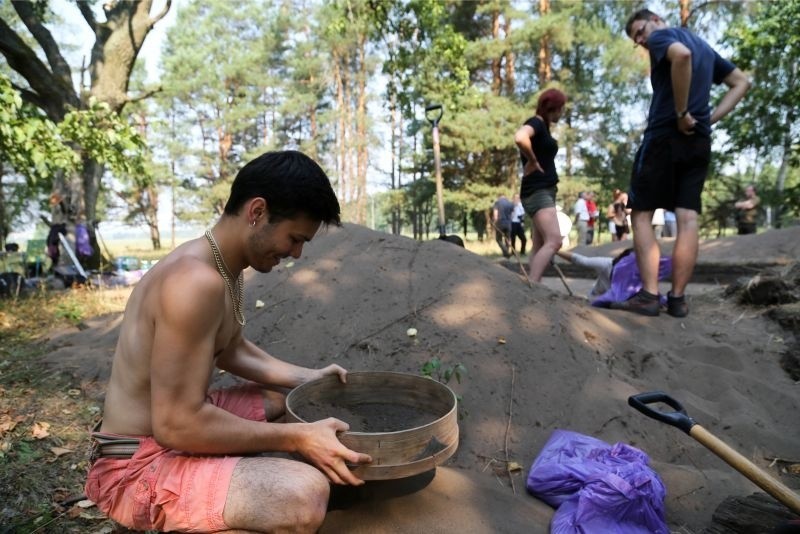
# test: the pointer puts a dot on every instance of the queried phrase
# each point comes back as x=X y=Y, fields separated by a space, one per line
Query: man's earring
x=253 y=223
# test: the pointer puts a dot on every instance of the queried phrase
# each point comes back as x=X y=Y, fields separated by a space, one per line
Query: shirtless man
x=194 y=466
x=747 y=211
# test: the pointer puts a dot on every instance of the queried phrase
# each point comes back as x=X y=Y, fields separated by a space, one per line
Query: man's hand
x=319 y=444
x=532 y=166
x=331 y=369
x=686 y=124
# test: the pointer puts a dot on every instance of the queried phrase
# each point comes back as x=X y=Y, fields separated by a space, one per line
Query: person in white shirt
x=658 y=222
x=581 y=217
x=518 y=225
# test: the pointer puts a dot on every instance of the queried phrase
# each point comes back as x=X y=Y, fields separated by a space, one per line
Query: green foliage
x=426 y=61
x=435 y=369
x=29 y=142
x=37 y=149
x=69 y=311
x=247 y=76
x=766 y=123
x=103 y=136
x=26 y=453
x=33 y=150
x=223 y=79
x=592 y=62
x=768 y=47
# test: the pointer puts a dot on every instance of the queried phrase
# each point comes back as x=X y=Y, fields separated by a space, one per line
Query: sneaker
x=643 y=303
x=676 y=306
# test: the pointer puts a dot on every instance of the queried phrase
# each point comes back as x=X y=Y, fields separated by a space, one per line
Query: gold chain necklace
x=237 y=296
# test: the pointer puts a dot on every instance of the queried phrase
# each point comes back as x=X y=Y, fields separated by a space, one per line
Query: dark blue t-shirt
x=504 y=208
x=545 y=149
x=707 y=68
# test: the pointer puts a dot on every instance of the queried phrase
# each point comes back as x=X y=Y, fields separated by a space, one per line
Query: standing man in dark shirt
x=672 y=162
x=501 y=218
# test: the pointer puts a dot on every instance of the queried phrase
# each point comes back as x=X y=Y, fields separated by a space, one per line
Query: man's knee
x=276 y=494
x=309 y=499
x=685 y=217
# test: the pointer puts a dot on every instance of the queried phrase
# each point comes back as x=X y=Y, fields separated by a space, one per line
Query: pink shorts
x=165 y=490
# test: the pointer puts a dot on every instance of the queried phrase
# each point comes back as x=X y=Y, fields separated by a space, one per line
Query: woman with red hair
x=537 y=150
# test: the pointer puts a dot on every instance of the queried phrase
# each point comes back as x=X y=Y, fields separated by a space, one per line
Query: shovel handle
x=434 y=119
x=679 y=418
x=758 y=476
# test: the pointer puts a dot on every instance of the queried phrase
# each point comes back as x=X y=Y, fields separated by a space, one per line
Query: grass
x=45 y=416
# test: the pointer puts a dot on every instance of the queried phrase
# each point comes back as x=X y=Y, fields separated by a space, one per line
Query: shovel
x=680 y=419
x=434 y=114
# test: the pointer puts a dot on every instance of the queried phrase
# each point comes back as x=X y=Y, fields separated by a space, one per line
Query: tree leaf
x=60 y=451
x=6 y=425
x=40 y=430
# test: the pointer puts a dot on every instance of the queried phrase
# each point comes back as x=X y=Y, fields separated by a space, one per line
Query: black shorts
x=669 y=172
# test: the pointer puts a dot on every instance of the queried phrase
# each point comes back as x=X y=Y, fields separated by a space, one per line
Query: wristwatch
x=683 y=113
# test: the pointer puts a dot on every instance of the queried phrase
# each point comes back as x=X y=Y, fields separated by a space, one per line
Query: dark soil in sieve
x=369 y=417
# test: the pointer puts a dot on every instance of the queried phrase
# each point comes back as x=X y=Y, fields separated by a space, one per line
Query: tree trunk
x=511 y=76
x=148 y=195
x=152 y=223
x=312 y=126
x=783 y=171
x=349 y=135
x=393 y=155
x=569 y=142
x=362 y=141
x=5 y=227
x=545 y=66
x=87 y=210
x=685 y=12
x=497 y=81
x=341 y=129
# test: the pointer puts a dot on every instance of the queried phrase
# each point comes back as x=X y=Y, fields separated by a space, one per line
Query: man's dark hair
x=292 y=184
x=642 y=14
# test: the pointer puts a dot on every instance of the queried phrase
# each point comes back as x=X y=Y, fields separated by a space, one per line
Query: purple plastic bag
x=626 y=280
x=597 y=487
x=82 y=245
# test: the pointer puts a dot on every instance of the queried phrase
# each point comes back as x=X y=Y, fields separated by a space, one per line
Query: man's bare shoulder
x=191 y=273
x=184 y=276
x=185 y=259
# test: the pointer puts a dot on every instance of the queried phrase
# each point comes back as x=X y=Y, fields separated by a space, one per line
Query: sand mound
x=551 y=360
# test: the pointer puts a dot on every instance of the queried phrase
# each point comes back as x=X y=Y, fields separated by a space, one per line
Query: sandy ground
x=557 y=362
